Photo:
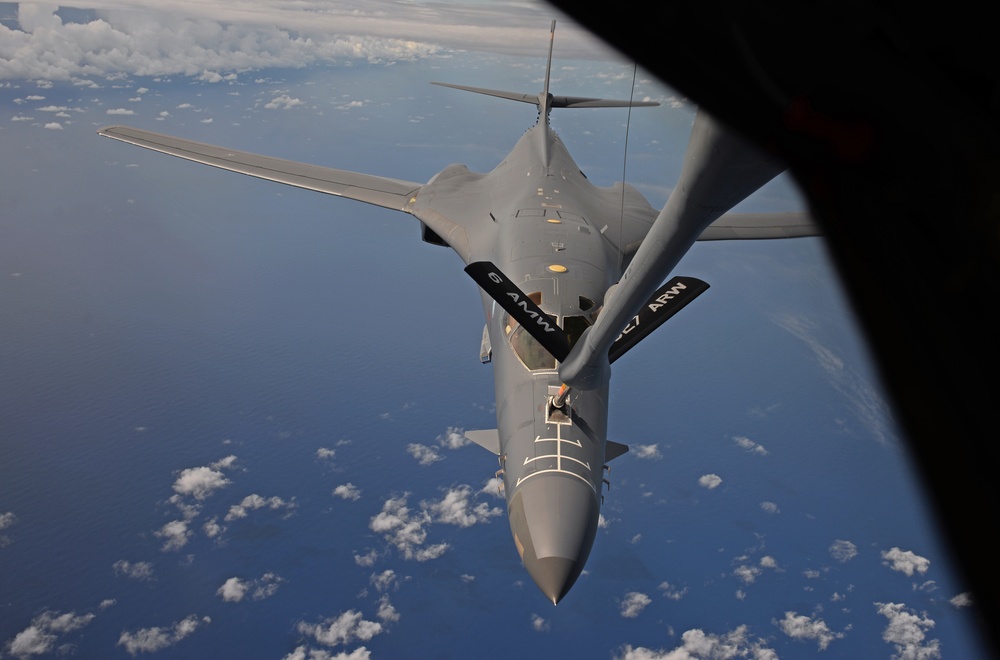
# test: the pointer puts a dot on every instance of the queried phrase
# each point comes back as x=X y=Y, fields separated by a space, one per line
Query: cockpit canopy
x=527 y=348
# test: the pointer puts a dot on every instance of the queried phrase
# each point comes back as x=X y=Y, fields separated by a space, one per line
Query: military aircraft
x=570 y=276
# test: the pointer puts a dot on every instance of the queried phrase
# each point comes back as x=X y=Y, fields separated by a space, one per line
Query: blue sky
x=230 y=405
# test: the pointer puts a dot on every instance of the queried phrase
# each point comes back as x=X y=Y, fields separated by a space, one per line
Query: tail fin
x=545 y=100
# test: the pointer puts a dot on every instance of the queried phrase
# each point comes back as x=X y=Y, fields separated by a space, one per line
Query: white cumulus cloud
x=905 y=561
x=456 y=508
x=42 y=636
x=347 y=491
x=907 y=631
x=255 y=502
x=633 y=604
x=696 y=644
x=800 y=626
x=283 y=102
x=138 y=570
x=709 y=481
x=453 y=438
x=843 y=551
x=235 y=589
x=150 y=640
x=425 y=455
x=750 y=445
x=175 y=535
x=404 y=529
x=672 y=592
x=646 y=452
x=200 y=482
x=346 y=628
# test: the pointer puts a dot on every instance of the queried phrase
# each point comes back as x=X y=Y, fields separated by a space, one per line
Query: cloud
x=200 y=482
x=120 y=111
x=799 y=626
x=283 y=102
x=366 y=560
x=494 y=487
x=225 y=463
x=149 y=640
x=749 y=445
x=255 y=502
x=538 y=624
x=213 y=40
x=175 y=535
x=907 y=631
x=425 y=455
x=306 y=653
x=696 y=643
x=769 y=507
x=212 y=528
x=453 y=438
x=140 y=570
x=324 y=453
x=709 y=481
x=843 y=551
x=7 y=520
x=235 y=590
x=747 y=574
x=386 y=612
x=384 y=581
x=42 y=636
x=208 y=42
x=646 y=452
x=54 y=126
x=455 y=508
x=672 y=592
x=405 y=530
x=346 y=628
x=962 y=600
x=905 y=561
x=633 y=604
x=347 y=491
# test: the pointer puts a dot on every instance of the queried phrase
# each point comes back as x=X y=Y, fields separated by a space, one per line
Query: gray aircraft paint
x=541 y=222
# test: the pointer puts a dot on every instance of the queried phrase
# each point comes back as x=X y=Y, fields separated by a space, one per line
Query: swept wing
x=380 y=191
x=746 y=226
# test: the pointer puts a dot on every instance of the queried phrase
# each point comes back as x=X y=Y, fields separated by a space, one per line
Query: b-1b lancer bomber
x=572 y=276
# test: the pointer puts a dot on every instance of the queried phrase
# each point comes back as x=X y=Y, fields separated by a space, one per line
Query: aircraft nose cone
x=553 y=575
x=554 y=522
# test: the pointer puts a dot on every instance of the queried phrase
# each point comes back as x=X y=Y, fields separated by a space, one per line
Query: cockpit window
x=574 y=327
x=527 y=348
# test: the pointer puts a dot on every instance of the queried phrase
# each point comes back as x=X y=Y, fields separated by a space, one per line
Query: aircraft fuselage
x=548 y=240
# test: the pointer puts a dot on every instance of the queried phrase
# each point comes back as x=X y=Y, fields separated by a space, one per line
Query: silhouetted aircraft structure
x=888 y=116
x=571 y=275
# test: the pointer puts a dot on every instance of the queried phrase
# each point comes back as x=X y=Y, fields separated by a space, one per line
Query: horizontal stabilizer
x=488 y=439
x=663 y=304
x=752 y=226
x=521 y=308
x=380 y=191
x=556 y=102
x=613 y=450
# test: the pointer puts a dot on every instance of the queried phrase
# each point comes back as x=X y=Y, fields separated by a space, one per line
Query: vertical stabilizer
x=545 y=98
